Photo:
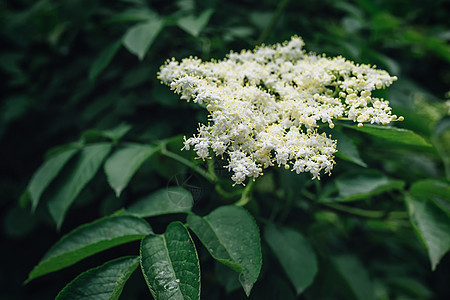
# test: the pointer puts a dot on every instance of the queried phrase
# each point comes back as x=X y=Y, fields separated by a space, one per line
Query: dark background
x=47 y=99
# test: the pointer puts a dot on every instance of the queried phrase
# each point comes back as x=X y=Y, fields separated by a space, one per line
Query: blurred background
x=68 y=66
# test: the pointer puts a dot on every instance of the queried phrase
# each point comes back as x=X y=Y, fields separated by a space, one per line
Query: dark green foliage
x=91 y=145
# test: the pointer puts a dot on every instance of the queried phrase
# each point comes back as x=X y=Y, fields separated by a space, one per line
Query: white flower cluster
x=265 y=105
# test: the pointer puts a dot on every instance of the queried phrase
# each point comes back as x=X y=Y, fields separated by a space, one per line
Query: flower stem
x=245 y=197
x=209 y=176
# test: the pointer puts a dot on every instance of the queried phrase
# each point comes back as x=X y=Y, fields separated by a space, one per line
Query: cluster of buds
x=266 y=105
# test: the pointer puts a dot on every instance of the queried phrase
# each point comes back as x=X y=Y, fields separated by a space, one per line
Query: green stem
x=276 y=16
x=209 y=176
x=224 y=193
x=372 y=214
x=245 y=197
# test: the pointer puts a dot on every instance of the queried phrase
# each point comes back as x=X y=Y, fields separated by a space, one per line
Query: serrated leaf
x=87 y=165
x=393 y=135
x=357 y=186
x=46 y=173
x=347 y=149
x=231 y=236
x=104 y=282
x=165 y=201
x=139 y=38
x=103 y=59
x=355 y=276
x=170 y=264
x=124 y=162
x=194 y=25
x=89 y=239
x=431 y=224
x=295 y=255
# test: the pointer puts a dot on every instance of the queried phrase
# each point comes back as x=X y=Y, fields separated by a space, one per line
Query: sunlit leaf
x=170 y=264
x=194 y=25
x=140 y=37
x=231 y=236
x=295 y=255
x=87 y=165
x=89 y=239
x=124 y=162
x=165 y=201
x=104 y=282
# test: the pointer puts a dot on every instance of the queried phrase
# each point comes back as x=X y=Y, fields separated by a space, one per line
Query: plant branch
x=245 y=197
x=209 y=176
x=372 y=214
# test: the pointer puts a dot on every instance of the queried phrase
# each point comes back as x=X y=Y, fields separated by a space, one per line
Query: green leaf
x=347 y=149
x=46 y=173
x=431 y=224
x=123 y=163
x=113 y=134
x=357 y=186
x=434 y=190
x=165 y=201
x=104 y=282
x=117 y=132
x=139 y=38
x=393 y=135
x=103 y=59
x=442 y=142
x=170 y=264
x=295 y=255
x=231 y=236
x=141 y=14
x=90 y=160
x=355 y=276
x=89 y=239
x=194 y=25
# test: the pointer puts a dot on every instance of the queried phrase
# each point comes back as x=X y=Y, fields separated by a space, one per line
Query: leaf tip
x=246 y=284
x=118 y=191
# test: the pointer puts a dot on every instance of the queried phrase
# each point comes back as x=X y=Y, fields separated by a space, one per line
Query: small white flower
x=266 y=105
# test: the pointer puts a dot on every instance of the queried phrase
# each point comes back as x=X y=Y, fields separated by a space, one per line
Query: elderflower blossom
x=266 y=105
